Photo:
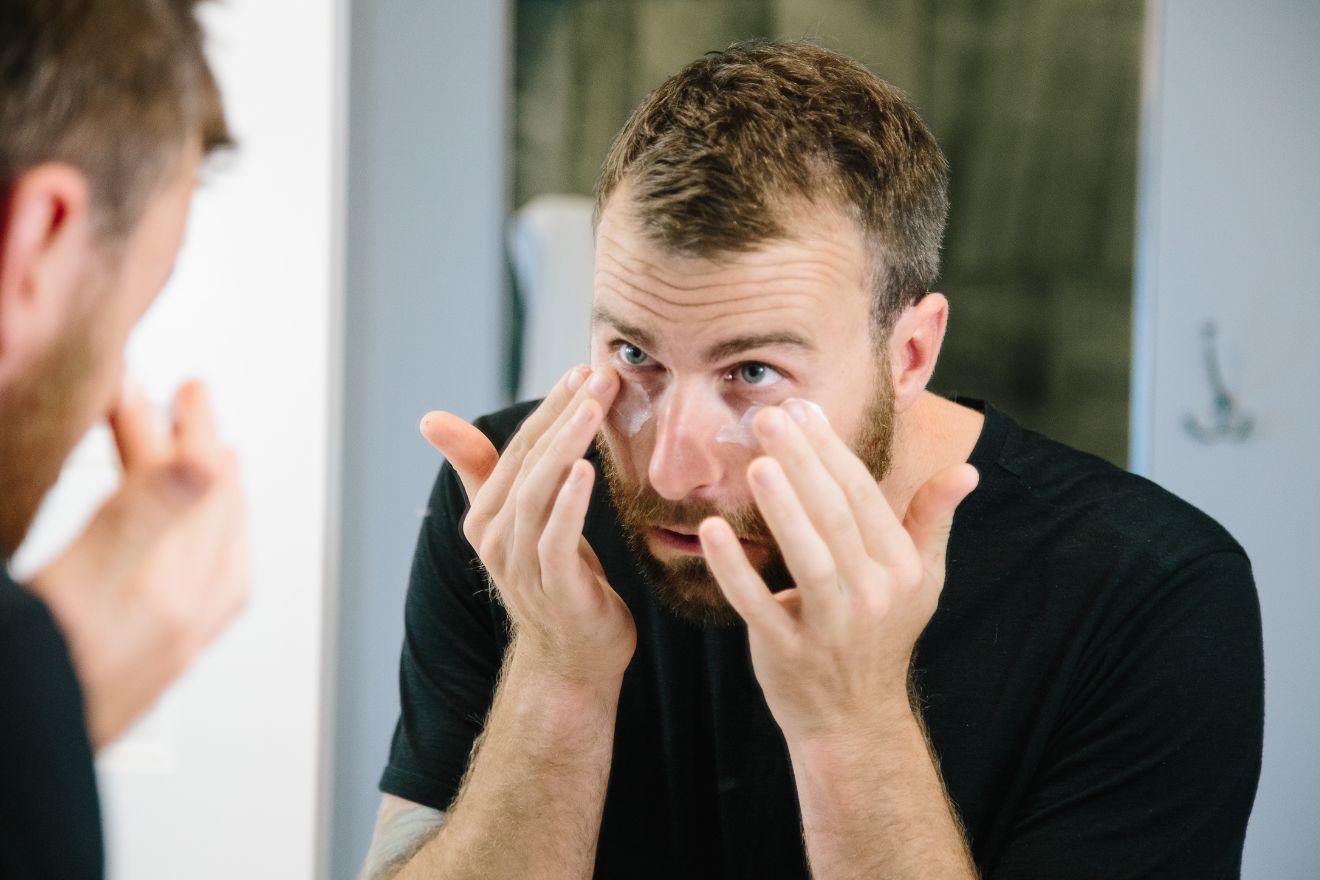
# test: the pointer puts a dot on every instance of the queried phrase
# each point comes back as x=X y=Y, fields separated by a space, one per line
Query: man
x=733 y=625
x=107 y=108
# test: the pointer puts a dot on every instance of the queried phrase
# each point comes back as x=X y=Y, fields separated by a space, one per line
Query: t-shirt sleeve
x=1153 y=769
x=454 y=640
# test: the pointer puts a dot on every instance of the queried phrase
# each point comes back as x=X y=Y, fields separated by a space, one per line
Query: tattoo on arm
x=402 y=828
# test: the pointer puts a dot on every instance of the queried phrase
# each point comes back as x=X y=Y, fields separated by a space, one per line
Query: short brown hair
x=115 y=88
x=715 y=157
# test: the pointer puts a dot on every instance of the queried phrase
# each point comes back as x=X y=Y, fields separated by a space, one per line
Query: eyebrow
x=719 y=351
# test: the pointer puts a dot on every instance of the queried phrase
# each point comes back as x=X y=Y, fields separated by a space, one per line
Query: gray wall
x=1229 y=230
x=423 y=330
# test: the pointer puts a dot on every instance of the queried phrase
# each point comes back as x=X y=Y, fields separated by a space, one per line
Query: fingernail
x=796 y=409
x=574 y=378
x=599 y=384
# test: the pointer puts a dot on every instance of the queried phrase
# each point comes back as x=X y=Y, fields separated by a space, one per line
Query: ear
x=914 y=346
x=46 y=243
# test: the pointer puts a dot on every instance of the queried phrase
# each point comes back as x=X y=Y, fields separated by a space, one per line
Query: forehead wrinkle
x=759 y=268
x=741 y=306
x=604 y=276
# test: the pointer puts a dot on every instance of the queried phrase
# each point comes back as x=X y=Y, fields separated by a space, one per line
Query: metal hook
x=1229 y=423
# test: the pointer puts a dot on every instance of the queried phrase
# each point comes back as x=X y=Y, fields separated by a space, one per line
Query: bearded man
x=107 y=108
x=710 y=612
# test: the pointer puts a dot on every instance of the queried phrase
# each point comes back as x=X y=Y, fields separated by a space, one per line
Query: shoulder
x=1078 y=502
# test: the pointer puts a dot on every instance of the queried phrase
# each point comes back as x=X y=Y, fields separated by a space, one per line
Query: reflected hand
x=161 y=568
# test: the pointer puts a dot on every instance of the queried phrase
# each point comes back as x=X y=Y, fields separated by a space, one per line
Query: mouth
x=683 y=541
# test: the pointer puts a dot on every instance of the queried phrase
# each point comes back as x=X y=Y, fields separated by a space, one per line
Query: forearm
x=532 y=800
x=874 y=805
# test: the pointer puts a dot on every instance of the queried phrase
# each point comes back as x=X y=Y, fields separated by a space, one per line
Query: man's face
x=699 y=346
x=75 y=380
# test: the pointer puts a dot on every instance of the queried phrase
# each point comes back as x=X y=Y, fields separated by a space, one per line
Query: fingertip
x=713 y=529
x=574 y=378
x=582 y=472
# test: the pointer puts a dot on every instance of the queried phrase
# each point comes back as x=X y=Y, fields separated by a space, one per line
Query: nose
x=685 y=460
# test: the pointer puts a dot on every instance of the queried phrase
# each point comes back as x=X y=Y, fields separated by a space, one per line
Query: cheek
x=630 y=455
x=633 y=408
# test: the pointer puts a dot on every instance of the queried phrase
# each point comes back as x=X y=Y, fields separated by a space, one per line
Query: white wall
x=425 y=296
x=222 y=780
x=1230 y=230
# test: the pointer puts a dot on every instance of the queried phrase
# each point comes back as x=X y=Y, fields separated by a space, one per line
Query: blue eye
x=632 y=355
x=758 y=374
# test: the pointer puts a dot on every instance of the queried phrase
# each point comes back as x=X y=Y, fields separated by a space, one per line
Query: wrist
x=848 y=737
x=542 y=682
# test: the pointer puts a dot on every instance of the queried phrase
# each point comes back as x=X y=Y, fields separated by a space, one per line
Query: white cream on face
x=740 y=432
x=632 y=409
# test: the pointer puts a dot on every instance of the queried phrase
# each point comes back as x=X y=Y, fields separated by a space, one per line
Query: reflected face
x=699 y=346
x=75 y=381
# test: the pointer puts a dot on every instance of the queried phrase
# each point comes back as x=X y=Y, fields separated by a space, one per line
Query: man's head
x=106 y=109
x=768 y=227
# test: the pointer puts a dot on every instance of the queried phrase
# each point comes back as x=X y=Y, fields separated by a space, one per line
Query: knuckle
x=819 y=570
x=472 y=529
x=871 y=603
x=837 y=521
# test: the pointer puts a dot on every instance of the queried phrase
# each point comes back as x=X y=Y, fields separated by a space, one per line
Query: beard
x=43 y=413
x=686 y=586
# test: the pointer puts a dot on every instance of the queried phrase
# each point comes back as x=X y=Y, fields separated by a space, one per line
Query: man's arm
x=874 y=805
x=532 y=799
x=833 y=653
x=534 y=790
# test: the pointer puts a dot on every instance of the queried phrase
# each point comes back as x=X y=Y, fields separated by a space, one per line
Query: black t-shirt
x=1092 y=684
x=50 y=823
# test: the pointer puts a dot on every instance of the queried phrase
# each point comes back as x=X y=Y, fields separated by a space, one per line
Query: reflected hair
x=115 y=88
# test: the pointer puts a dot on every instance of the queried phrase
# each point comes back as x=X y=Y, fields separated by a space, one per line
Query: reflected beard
x=686 y=586
x=42 y=415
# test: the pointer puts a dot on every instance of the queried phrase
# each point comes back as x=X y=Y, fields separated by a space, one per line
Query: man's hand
x=160 y=569
x=525 y=521
x=832 y=654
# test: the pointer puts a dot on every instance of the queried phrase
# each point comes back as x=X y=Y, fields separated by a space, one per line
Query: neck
x=929 y=436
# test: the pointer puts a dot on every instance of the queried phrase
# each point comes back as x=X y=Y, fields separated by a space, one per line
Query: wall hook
x=1229 y=422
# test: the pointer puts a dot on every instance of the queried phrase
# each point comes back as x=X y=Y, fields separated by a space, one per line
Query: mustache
x=643 y=506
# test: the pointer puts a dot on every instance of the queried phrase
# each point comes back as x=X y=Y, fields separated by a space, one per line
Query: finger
x=559 y=541
x=930 y=515
x=196 y=437
x=882 y=534
x=231 y=581
x=818 y=491
x=601 y=387
x=502 y=477
x=149 y=503
x=535 y=494
x=805 y=553
x=738 y=580
x=133 y=423
x=471 y=453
